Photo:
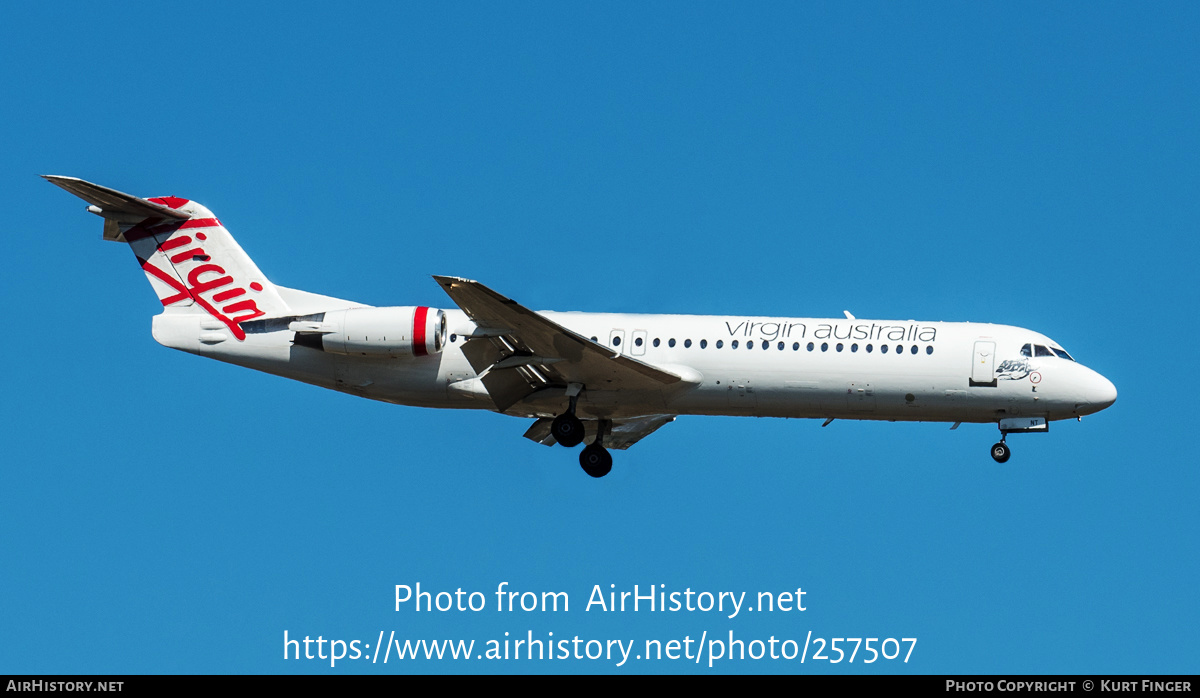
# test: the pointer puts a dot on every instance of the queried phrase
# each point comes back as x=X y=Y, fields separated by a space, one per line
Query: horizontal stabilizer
x=113 y=205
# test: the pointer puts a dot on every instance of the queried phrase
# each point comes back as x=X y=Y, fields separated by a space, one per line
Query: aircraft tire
x=567 y=430
x=596 y=460
x=1001 y=452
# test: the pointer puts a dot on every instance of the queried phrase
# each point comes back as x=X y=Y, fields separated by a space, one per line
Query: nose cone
x=1098 y=394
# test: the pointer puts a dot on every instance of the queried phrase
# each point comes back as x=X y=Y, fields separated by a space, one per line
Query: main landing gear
x=567 y=429
x=595 y=459
x=1001 y=451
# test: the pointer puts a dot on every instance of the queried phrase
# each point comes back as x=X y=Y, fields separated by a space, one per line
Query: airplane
x=605 y=378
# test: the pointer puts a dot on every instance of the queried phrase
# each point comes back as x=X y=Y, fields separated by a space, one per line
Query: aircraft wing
x=623 y=434
x=517 y=351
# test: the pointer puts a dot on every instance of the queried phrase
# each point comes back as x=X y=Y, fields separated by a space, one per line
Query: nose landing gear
x=1017 y=425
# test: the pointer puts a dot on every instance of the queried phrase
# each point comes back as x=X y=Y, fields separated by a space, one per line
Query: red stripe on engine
x=419 y=331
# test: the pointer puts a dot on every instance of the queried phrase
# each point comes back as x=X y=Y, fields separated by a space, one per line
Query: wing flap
x=508 y=386
x=623 y=433
x=627 y=432
x=539 y=431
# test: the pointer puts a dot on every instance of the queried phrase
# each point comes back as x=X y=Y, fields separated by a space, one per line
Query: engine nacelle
x=400 y=331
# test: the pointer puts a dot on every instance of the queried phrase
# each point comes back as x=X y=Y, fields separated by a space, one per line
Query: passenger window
x=453 y=338
x=638 y=341
x=733 y=344
x=1039 y=350
x=929 y=349
x=1027 y=350
x=899 y=349
x=616 y=341
x=781 y=346
x=766 y=344
x=795 y=346
x=810 y=346
x=687 y=344
x=750 y=344
x=839 y=346
x=853 y=348
x=657 y=341
x=824 y=346
x=720 y=343
x=704 y=344
x=914 y=349
x=883 y=348
x=671 y=342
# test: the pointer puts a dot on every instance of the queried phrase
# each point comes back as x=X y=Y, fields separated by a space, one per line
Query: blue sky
x=1020 y=164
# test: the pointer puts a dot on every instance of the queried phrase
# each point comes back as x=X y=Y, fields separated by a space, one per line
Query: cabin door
x=983 y=365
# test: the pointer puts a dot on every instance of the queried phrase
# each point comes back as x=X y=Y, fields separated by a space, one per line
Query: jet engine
x=395 y=332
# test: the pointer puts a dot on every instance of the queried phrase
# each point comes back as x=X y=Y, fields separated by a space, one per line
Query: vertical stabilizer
x=190 y=259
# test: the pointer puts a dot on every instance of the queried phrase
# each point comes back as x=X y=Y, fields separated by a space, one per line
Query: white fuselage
x=613 y=378
x=741 y=366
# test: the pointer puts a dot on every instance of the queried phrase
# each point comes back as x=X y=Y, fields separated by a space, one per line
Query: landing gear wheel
x=596 y=460
x=567 y=430
x=1001 y=452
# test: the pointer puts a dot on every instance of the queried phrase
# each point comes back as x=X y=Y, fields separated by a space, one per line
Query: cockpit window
x=1039 y=350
